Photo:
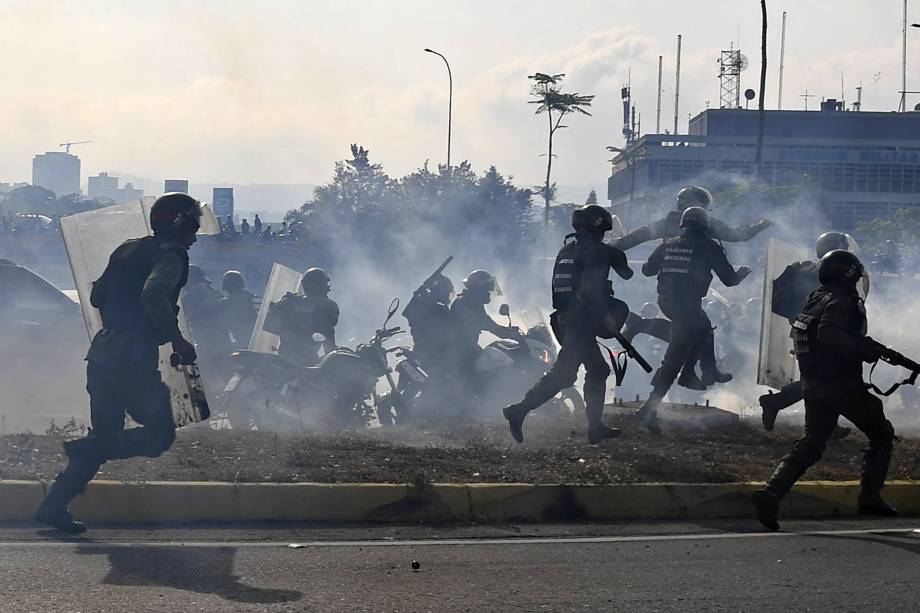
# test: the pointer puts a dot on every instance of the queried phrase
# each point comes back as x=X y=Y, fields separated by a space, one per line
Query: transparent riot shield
x=777 y=366
x=282 y=281
x=90 y=238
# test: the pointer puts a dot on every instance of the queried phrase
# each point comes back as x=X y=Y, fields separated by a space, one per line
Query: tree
x=592 y=198
x=549 y=98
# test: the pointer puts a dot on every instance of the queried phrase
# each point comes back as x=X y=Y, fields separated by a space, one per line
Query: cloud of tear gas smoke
x=43 y=336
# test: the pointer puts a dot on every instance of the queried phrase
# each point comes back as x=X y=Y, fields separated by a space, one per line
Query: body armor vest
x=815 y=363
x=117 y=293
x=567 y=276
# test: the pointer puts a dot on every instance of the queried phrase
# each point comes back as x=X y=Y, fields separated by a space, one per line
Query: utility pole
x=782 y=57
x=902 y=107
x=658 y=113
x=758 y=156
x=677 y=86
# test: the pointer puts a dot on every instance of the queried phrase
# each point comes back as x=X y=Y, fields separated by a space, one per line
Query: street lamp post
x=450 y=99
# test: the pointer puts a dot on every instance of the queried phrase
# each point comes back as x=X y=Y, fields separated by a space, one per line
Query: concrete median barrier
x=189 y=502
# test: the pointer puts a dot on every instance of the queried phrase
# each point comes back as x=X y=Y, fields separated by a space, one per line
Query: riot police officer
x=468 y=319
x=296 y=318
x=790 y=291
x=137 y=296
x=428 y=314
x=237 y=308
x=581 y=295
x=684 y=267
x=830 y=344
x=668 y=227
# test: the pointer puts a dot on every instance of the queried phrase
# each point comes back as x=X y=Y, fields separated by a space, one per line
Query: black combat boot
x=874 y=471
x=648 y=412
x=689 y=380
x=766 y=505
x=53 y=509
x=601 y=432
x=515 y=414
x=598 y=431
x=769 y=408
x=766 y=500
x=714 y=375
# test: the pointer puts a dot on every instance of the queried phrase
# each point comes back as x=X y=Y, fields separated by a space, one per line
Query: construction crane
x=67 y=146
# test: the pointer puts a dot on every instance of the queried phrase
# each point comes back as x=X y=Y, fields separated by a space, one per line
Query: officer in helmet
x=669 y=226
x=468 y=319
x=581 y=297
x=297 y=317
x=830 y=344
x=684 y=267
x=237 y=308
x=428 y=314
x=790 y=291
x=137 y=296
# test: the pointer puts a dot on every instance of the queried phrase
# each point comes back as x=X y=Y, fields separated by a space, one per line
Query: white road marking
x=516 y=541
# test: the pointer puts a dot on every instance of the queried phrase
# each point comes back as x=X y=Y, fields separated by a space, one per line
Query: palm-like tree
x=549 y=98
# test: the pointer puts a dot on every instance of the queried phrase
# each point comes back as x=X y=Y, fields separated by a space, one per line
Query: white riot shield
x=282 y=281
x=777 y=366
x=90 y=238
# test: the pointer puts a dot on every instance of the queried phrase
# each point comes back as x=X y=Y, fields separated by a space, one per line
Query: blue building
x=855 y=165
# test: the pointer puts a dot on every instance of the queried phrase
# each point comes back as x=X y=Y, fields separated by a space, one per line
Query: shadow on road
x=904 y=542
x=206 y=570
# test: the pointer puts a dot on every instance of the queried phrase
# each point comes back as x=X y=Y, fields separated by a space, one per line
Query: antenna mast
x=658 y=112
x=782 y=57
x=731 y=64
x=677 y=86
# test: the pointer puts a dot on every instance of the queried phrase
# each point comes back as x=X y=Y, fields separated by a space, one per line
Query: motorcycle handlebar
x=386 y=333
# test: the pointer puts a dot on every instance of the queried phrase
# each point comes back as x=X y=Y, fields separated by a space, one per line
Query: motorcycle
x=270 y=392
x=507 y=368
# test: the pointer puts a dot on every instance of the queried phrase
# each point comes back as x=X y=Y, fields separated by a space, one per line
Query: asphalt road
x=813 y=566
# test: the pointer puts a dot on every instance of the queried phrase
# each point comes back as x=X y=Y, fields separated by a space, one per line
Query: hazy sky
x=274 y=91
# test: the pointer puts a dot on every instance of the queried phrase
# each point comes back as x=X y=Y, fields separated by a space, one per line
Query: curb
x=190 y=502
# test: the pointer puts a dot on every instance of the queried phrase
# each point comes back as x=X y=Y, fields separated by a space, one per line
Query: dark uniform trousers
x=579 y=346
x=690 y=330
x=824 y=403
x=115 y=392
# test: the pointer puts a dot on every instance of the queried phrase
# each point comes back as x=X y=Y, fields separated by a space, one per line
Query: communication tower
x=731 y=64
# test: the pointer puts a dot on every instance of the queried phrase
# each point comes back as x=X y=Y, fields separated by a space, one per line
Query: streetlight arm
x=450 y=99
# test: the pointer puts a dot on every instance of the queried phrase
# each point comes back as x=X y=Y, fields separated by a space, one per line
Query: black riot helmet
x=592 y=219
x=840 y=268
x=175 y=214
x=441 y=289
x=695 y=218
x=480 y=285
x=196 y=274
x=693 y=195
x=232 y=281
x=315 y=281
x=830 y=241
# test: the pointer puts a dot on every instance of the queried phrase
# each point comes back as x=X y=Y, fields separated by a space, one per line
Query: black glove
x=872 y=351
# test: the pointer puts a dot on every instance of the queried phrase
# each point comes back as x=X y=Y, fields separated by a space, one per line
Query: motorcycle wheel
x=570 y=401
